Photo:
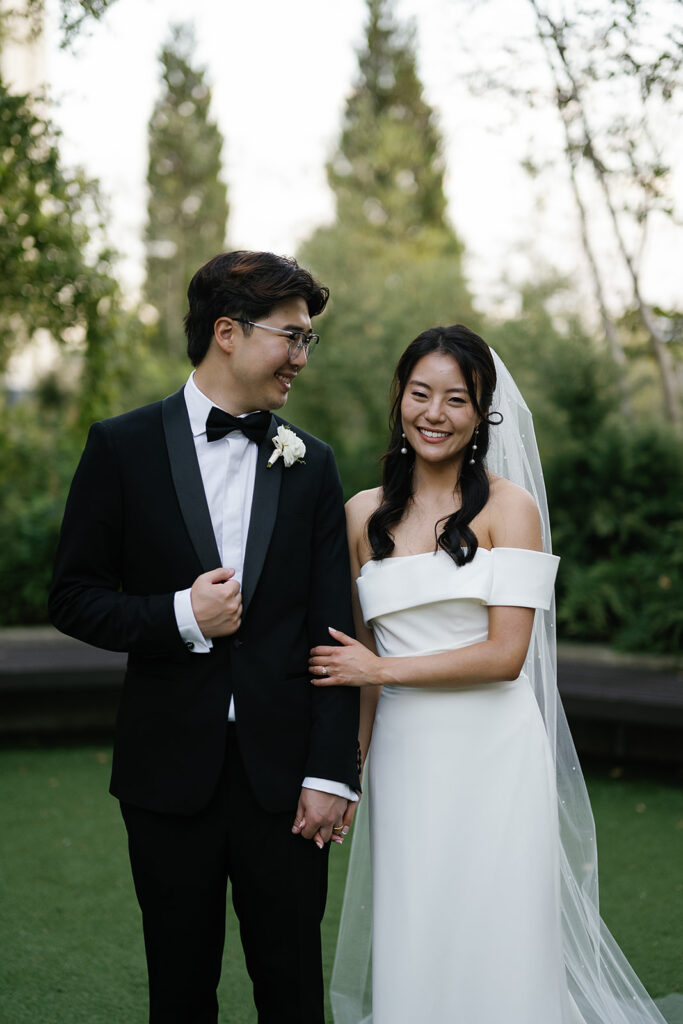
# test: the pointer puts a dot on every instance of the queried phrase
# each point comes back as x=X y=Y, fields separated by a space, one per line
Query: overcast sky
x=280 y=74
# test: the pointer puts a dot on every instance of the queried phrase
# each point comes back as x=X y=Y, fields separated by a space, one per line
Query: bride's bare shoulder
x=513 y=516
x=504 y=492
x=360 y=507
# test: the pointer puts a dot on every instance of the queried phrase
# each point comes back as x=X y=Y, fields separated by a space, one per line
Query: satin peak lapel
x=187 y=479
x=263 y=514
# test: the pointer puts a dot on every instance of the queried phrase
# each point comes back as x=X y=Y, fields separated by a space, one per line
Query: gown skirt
x=463 y=809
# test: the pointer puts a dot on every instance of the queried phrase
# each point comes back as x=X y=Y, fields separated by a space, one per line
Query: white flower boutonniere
x=289 y=446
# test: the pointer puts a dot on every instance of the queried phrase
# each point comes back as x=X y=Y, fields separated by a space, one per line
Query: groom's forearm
x=116 y=621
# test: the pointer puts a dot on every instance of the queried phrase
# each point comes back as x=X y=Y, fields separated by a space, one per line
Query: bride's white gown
x=463 y=808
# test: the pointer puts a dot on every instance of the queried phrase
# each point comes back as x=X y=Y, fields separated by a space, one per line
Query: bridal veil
x=603 y=987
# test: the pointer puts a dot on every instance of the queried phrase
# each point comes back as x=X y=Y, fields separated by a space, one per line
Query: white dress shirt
x=228 y=470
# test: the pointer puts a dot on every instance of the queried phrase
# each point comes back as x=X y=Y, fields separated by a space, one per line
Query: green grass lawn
x=70 y=937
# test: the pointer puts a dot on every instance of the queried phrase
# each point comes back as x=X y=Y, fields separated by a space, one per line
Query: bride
x=481 y=840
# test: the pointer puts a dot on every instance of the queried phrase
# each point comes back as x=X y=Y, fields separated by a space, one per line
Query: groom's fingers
x=320 y=812
x=217 y=602
x=219 y=575
x=322 y=836
x=299 y=819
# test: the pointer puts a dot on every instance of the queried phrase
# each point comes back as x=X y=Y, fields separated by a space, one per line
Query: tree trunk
x=608 y=324
x=657 y=341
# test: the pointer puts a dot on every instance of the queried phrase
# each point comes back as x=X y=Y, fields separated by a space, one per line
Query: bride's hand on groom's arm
x=350 y=664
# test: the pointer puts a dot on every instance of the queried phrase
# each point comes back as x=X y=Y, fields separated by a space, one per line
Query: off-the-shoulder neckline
x=440 y=551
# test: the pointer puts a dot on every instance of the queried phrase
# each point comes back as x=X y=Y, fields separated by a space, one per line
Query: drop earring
x=475 y=438
x=404 y=450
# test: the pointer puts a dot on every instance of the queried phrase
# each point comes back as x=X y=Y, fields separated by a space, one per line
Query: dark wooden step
x=618 y=705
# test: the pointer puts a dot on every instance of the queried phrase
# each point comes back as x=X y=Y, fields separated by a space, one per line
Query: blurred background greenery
x=604 y=386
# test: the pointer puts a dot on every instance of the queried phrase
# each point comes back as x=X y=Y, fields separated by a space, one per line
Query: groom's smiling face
x=261 y=369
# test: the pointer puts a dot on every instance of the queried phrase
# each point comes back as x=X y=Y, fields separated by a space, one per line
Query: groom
x=217 y=569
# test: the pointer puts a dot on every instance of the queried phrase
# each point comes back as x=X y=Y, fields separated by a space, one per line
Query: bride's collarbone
x=422 y=543
x=418 y=532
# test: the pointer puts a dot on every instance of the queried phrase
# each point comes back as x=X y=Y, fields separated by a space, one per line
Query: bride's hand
x=352 y=664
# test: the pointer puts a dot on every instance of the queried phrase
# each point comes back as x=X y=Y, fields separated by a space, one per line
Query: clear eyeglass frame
x=298 y=340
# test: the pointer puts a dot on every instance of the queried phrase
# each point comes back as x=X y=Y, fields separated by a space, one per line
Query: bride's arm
x=358 y=510
x=513 y=522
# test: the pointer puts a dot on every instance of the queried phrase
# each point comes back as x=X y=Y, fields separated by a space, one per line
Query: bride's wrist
x=384 y=676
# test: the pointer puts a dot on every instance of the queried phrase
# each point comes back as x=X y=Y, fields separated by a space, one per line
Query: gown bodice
x=422 y=604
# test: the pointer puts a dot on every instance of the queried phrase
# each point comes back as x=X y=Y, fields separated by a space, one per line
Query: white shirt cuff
x=190 y=633
x=328 y=786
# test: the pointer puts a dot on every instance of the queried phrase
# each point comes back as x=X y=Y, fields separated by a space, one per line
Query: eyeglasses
x=298 y=340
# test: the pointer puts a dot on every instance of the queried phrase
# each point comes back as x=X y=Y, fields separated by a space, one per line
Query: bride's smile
x=437 y=413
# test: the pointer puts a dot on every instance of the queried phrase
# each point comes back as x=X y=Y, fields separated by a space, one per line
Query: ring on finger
x=337 y=828
x=323 y=670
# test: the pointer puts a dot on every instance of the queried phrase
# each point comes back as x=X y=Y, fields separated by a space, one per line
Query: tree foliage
x=388 y=169
x=391 y=259
x=38 y=453
x=187 y=208
x=616 y=490
x=56 y=279
x=609 y=54
x=74 y=15
x=615 y=486
x=609 y=69
x=56 y=272
x=394 y=265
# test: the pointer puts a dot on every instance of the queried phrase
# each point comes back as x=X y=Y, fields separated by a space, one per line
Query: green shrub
x=38 y=455
x=616 y=501
x=615 y=490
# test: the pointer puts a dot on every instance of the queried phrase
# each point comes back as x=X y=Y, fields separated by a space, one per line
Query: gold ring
x=337 y=828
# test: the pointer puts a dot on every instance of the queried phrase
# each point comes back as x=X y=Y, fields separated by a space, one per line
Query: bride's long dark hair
x=473 y=356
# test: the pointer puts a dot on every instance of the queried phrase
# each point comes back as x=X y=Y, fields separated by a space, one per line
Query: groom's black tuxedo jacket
x=136 y=529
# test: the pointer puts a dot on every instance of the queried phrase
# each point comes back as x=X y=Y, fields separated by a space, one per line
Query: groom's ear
x=224 y=333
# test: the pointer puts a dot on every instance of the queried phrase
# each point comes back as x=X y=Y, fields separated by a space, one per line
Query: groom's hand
x=316 y=813
x=217 y=603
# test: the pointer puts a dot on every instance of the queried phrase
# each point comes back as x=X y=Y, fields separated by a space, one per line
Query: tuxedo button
x=238 y=643
x=189 y=645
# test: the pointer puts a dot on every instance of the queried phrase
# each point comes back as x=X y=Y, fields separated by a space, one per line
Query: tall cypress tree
x=187 y=208
x=391 y=259
x=388 y=170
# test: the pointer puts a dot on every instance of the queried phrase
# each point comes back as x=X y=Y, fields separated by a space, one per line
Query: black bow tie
x=254 y=426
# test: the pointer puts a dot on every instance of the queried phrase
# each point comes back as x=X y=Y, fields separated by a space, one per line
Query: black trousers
x=181 y=866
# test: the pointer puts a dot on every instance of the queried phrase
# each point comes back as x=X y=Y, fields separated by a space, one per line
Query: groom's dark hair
x=246 y=285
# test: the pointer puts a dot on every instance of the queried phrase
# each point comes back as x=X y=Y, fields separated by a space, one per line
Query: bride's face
x=436 y=410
